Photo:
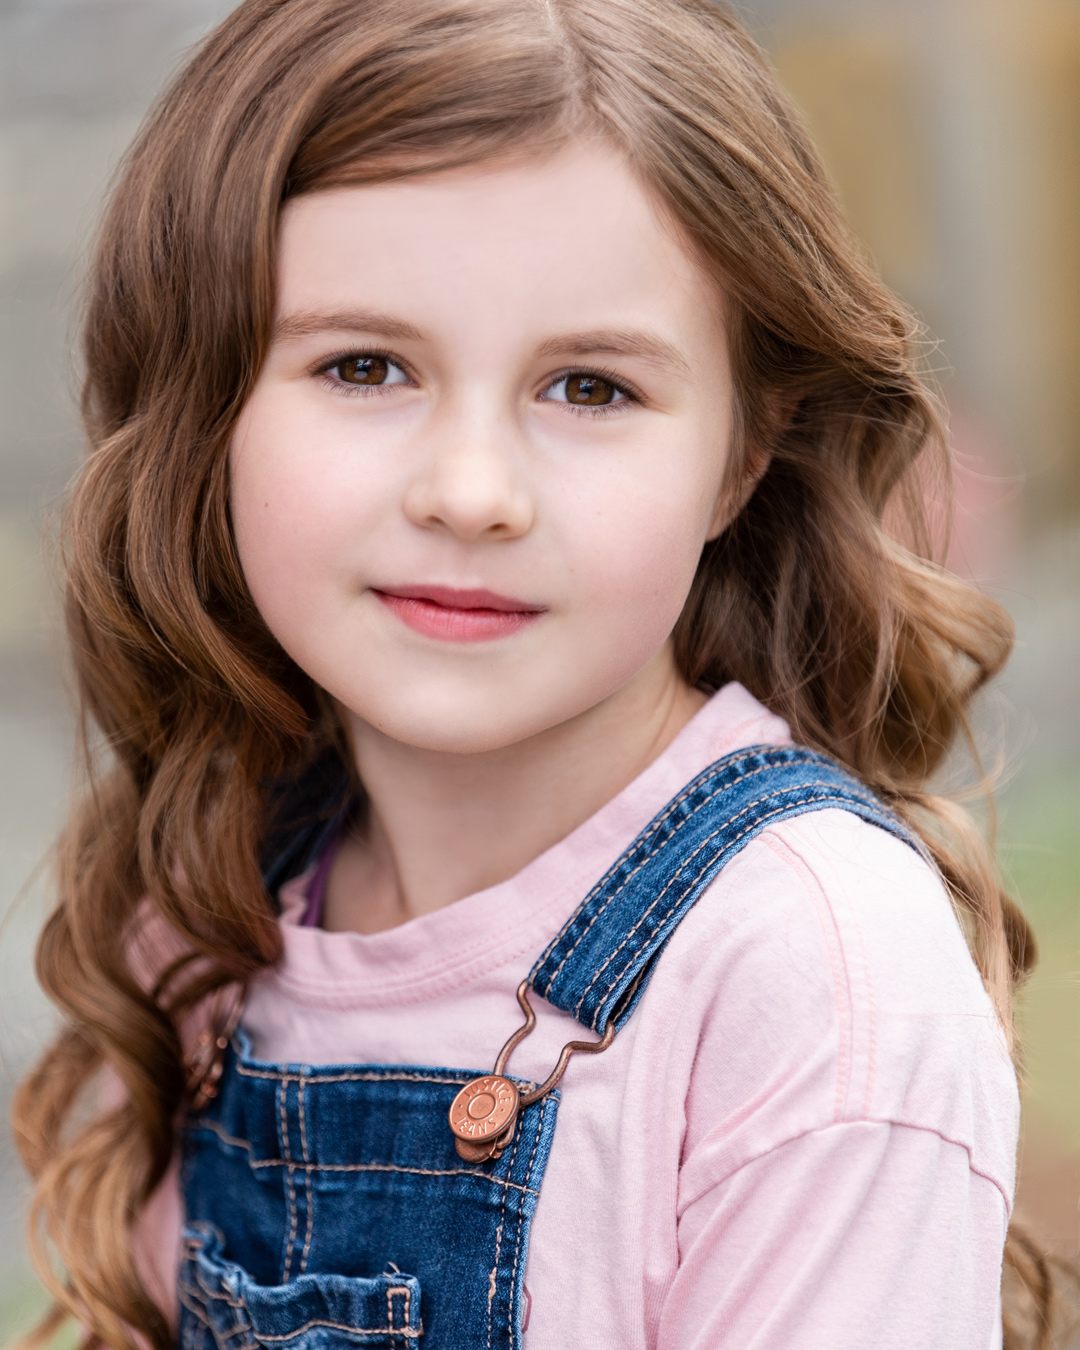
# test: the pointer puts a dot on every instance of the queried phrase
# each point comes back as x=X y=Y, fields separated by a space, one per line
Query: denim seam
x=191 y=1303
x=636 y=846
x=239 y=1305
x=300 y=1083
x=309 y=1190
x=286 y=1270
x=341 y=1326
x=493 y=1279
x=196 y=1325
x=243 y=1327
x=214 y=1128
x=729 y=821
x=391 y=1291
x=287 y=1077
x=309 y=1225
x=520 y=1222
x=210 y=1293
x=759 y=821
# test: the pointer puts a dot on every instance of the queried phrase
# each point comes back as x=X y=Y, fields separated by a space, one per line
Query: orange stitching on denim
x=233 y=1303
x=865 y=801
x=287 y=1077
x=678 y=873
x=303 y=1122
x=494 y=1275
x=240 y=1306
x=287 y=1267
x=240 y=1310
x=283 y=1116
x=652 y=828
x=309 y=1189
x=804 y=801
x=213 y=1128
x=310 y=1222
x=202 y=1313
x=221 y=1298
x=521 y=1222
x=265 y=1338
x=199 y=1316
x=637 y=844
x=405 y=1292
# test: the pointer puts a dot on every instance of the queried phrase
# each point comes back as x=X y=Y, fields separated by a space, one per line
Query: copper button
x=484 y=1108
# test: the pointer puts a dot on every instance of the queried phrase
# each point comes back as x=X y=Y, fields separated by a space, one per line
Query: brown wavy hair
x=865 y=645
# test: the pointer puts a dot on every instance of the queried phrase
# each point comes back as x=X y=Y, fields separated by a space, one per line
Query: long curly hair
x=867 y=647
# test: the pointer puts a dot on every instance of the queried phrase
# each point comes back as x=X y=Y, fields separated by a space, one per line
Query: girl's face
x=473 y=481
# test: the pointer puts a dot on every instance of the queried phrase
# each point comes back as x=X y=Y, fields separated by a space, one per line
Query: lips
x=473 y=615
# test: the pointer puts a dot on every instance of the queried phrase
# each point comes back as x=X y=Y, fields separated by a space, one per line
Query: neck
x=442 y=826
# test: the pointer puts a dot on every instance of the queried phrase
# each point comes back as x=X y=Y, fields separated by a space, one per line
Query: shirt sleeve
x=156 y=1242
x=859 y=1234
x=155 y=1234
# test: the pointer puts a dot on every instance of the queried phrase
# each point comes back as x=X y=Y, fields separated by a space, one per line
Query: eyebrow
x=617 y=342
x=601 y=341
x=307 y=322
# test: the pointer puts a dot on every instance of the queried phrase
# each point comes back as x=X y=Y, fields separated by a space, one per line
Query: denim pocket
x=222 y=1308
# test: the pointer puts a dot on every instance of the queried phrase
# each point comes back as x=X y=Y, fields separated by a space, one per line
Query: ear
x=783 y=404
x=731 y=502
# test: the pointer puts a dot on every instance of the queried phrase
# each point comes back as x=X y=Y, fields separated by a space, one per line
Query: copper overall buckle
x=206 y=1062
x=485 y=1111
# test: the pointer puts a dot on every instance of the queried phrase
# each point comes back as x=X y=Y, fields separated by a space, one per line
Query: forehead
x=571 y=240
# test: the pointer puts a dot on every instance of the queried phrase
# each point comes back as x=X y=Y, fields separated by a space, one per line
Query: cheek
x=296 y=510
x=268 y=520
x=639 y=550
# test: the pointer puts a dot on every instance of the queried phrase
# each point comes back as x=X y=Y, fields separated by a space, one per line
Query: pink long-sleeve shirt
x=803 y=1139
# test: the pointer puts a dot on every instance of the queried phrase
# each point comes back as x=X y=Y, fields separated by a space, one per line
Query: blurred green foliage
x=1040 y=838
x=21 y=1307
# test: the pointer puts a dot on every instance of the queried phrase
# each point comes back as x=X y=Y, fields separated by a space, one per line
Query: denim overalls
x=328 y=1207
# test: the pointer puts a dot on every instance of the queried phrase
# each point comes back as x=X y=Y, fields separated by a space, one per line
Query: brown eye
x=364 y=369
x=586 y=389
x=589 y=390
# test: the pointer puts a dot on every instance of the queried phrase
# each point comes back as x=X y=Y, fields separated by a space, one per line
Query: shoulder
x=828 y=981
x=882 y=908
x=155 y=952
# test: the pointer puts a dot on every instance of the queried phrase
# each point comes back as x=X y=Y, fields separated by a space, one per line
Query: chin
x=463 y=723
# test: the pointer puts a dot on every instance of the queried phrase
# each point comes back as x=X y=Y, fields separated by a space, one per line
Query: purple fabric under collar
x=316 y=891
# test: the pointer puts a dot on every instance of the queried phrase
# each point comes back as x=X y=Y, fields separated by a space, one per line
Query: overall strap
x=598 y=965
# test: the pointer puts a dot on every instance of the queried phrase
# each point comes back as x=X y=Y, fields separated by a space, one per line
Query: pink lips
x=458 y=616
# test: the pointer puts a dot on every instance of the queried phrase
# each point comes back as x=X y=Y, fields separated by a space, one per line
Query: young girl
x=480 y=589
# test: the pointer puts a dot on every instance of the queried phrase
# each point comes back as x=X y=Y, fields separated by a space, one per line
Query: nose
x=469 y=485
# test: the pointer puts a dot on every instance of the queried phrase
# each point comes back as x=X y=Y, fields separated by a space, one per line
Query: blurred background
x=951 y=128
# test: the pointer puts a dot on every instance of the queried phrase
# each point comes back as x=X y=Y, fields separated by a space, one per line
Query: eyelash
x=631 y=393
x=327 y=364
x=620 y=382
